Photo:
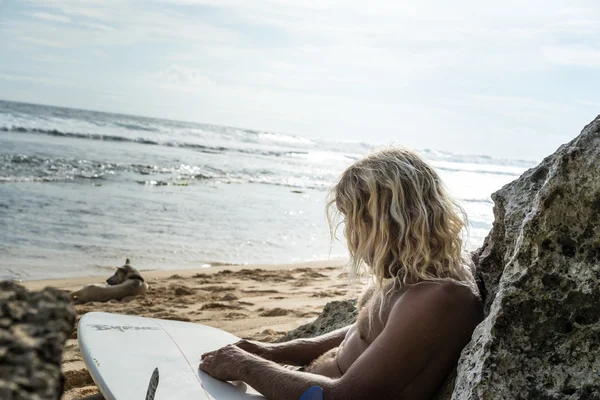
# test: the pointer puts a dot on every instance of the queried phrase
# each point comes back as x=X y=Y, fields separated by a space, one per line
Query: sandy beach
x=260 y=302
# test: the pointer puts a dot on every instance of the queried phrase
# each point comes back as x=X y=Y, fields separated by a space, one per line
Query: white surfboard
x=129 y=357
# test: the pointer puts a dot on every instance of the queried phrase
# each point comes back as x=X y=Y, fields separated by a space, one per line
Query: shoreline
x=70 y=283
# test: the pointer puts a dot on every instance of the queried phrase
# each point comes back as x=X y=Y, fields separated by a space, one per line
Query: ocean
x=80 y=191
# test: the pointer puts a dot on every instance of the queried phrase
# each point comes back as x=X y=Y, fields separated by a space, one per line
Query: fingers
x=208 y=354
x=229 y=346
x=204 y=363
x=207 y=359
x=214 y=353
x=208 y=366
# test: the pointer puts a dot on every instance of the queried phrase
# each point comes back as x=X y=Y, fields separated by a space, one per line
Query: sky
x=505 y=78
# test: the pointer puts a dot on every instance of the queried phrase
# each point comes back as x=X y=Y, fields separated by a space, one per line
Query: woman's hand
x=226 y=363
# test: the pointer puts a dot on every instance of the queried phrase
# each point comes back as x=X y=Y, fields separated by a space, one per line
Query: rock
x=183 y=291
x=275 y=312
x=33 y=330
x=540 y=267
x=229 y=297
x=335 y=315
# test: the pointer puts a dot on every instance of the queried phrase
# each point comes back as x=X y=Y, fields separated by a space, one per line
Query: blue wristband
x=314 y=393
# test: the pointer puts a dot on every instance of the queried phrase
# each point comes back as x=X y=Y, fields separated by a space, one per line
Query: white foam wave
x=277 y=137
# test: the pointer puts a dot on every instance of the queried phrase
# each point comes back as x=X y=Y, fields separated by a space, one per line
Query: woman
x=404 y=231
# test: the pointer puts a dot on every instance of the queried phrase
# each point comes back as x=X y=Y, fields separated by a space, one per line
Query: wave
x=135 y=127
x=170 y=143
x=484 y=201
x=94 y=125
x=438 y=155
x=25 y=169
x=91 y=136
x=288 y=139
x=29 y=179
x=479 y=171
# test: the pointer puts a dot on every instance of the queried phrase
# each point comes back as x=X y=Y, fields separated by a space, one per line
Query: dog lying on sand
x=127 y=281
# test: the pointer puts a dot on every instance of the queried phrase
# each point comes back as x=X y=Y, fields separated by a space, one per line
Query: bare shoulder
x=439 y=303
x=453 y=294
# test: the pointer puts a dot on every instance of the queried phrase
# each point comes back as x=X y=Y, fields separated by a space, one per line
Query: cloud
x=50 y=17
x=593 y=104
x=327 y=67
x=573 y=55
x=88 y=9
x=182 y=79
x=51 y=58
x=100 y=27
x=124 y=22
x=393 y=37
x=34 y=79
x=40 y=42
x=521 y=110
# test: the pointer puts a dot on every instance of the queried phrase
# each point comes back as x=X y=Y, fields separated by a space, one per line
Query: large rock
x=33 y=330
x=540 y=267
x=335 y=315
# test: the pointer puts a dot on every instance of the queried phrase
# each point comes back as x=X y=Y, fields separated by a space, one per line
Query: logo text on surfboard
x=123 y=328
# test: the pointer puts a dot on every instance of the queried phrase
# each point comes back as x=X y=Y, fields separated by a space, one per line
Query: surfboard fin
x=153 y=385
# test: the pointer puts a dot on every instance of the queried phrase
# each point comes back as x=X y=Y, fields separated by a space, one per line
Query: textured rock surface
x=540 y=266
x=335 y=315
x=33 y=330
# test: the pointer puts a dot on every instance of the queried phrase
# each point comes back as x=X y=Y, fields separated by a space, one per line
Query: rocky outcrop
x=335 y=315
x=33 y=330
x=540 y=267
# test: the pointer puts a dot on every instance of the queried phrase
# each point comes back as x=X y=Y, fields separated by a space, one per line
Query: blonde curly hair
x=400 y=222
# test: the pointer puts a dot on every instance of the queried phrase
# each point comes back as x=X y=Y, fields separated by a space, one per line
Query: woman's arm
x=296 y=352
